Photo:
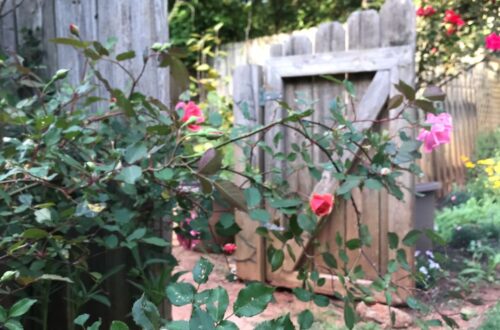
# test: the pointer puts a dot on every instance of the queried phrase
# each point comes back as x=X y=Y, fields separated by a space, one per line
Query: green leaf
x=202 y=270
x=350 y=183
x=425 y=105
x=70 y=42
x=181 y=293
x=165 y=174
x=412 y=237
x=13 y=325
x=349 y=86
x=3 y=314
x=218 y=302
x=353 y=244
x=227 y=325
x=285 y=203
x=320 y=300
x=178 y=325
x=329 y=260
x=260 y=215
x=118 y=325
x=252 y=197
x=306 y=223
x=395 y=102
x=43 y=216
x=200 y=320
x=406 y=90
x=137 y=234
x=21 y=307
x=366 y=237
x=145 y=314
x=393 y=240
x=252 y=300
x=135 y=153
x=434 y=237
x=81 y=319
x=392 y=266
x=100 y=48
x=210 y=162
x=125 y=55
x=156 y=241
x=277 y=260
x=130 y=174
x=303 y=294
x=373 y=184
x=349 y=315
x=305 y=320
x=280 y=323
x=35 y=233
x=231 y=193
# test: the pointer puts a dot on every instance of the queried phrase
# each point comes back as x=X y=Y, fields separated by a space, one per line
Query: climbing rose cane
x=229 y=248
x=191 y=110
x=439 y=133
x=493 y=41
x=321 y=204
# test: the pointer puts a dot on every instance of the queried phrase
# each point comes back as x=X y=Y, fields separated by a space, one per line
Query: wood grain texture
x=250 y=255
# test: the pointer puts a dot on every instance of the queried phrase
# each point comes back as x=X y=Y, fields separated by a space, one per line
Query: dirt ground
x=328 y=318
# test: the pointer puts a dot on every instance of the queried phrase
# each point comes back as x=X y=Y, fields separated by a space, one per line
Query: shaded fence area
x=373 y=50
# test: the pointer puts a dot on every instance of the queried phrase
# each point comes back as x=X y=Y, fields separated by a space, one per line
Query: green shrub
x=487 y=145
x=474 y=217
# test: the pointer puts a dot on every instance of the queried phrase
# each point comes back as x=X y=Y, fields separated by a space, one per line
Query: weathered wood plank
x=341 y=62
x=398 y=28
x=250 y=255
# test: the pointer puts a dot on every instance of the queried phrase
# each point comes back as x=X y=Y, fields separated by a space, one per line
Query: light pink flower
x=493 y=41
x=191 y=110
x=439 y=133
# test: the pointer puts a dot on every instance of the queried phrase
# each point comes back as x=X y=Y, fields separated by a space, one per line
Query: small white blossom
x=433 y=265
x=385 y=171
x=423 y=270
x=417 y=253
x=429 y=254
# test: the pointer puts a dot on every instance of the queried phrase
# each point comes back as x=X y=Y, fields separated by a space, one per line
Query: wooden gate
x=375 y=52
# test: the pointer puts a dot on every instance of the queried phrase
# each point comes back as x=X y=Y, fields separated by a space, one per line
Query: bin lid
x=428 y=186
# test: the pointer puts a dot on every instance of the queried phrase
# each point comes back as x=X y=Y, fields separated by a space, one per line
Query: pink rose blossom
x=229 y=248
x=453 y=18
x=426 y=12
x=191 y=110
x=439 y=133
x=493 y=41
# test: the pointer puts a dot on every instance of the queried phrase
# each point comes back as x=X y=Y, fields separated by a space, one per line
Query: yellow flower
x=469 y=164
x=489 y=170
x=465 y=159
x=489 y=161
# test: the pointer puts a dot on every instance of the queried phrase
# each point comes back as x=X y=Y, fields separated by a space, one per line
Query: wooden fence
x=473 y=100
x=374 y=51
x=137 y=24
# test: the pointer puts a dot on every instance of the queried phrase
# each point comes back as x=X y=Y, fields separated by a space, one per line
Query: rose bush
x=80 y=172
x=453 y=36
